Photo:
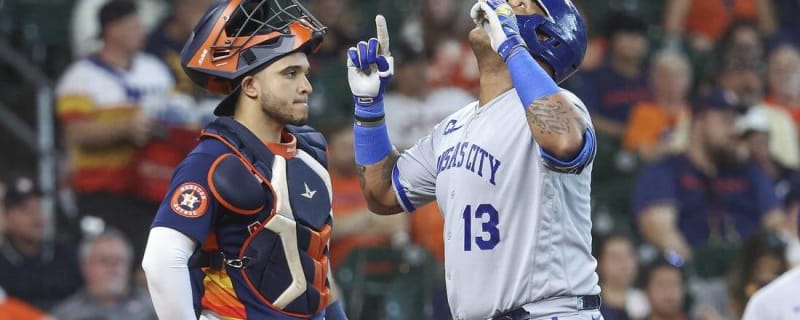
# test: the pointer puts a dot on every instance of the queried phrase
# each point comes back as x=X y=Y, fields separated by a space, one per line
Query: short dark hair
x=622 y=21
x=659 y=263
x=113 y=11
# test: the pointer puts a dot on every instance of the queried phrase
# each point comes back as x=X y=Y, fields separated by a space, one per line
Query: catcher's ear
x=250 y=86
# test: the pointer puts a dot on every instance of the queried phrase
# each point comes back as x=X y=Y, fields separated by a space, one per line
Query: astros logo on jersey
x=189 y=200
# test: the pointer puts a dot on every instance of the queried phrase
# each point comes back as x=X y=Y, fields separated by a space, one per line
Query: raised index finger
x=382 y=35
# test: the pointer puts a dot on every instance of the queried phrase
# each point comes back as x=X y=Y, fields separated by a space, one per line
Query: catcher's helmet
x=564 y=36
x=236 y=38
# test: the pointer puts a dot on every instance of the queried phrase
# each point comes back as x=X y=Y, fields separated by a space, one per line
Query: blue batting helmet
x=559 y=39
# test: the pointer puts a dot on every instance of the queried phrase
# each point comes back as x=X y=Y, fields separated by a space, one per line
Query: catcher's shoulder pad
x=312 y=142
x=235 y=186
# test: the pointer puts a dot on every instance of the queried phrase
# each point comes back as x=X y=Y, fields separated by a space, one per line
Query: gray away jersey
x=515 y=232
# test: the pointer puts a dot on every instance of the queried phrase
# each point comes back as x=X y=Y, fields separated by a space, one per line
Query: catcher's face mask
x=239 y=37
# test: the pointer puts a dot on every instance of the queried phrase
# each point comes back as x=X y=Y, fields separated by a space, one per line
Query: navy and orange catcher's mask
x=236 y=38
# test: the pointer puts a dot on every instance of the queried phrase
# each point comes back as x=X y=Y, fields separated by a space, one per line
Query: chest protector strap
x=283 y=261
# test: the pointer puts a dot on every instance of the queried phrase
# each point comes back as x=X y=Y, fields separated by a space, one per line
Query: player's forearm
x=165 y=264
x=91 y=134
x=376 y=185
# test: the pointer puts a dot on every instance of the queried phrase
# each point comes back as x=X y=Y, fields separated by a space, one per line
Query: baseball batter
x=510 y=172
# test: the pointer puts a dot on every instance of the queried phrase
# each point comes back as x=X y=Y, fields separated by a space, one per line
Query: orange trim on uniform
x=216 y=194
x=253 y=288
x=320 y=278
x=318 y=241
x=210 y=244
x=287 y=148
x=253 y=169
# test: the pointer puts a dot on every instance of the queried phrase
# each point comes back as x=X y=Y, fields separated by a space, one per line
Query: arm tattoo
x=387 y=166
x=548 y=117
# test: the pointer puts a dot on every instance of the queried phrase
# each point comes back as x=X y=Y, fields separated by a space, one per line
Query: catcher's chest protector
x=284 y=260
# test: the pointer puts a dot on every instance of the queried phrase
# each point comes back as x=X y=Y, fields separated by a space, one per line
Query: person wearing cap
x=104 y=103
x=243 y=231
x=700 y=204
x=33 y=267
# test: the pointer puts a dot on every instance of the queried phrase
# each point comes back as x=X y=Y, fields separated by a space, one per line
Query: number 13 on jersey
x=489 y=236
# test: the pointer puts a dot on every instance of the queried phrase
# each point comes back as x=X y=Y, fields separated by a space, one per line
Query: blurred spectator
x=664 y=287
x=106 y=265
x=762 y=261
x=33 y=268
x=652 y=123
x=412 y=106
x=179 y=119
x=105 y=103
x=700 y=204
x=776 y=301
x=617 y=268
x=86 y=31
x=740 y=75
x=444 y=25
x=742 y=39
x=703 y=23
x=168 y=38
x=754 y=129
x=611 y=91
x=783 y=76
x=356 y=226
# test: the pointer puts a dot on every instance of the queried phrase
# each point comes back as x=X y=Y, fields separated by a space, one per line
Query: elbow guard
x=577 y=164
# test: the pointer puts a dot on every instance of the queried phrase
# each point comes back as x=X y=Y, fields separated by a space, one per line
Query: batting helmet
x=236 y=38
x=559 y=38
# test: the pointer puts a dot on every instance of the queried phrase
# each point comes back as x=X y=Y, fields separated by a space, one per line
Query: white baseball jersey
x=778 y=300
x=409 y=119
x=515 y=231
x=148 y=84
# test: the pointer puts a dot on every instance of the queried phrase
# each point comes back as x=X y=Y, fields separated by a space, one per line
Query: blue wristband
x=369 y=112
x=372 y=143
x=529 y=78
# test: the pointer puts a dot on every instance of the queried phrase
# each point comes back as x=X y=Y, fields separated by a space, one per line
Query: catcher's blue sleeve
x=188 y=206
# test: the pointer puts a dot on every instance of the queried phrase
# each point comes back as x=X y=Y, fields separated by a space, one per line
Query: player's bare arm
x=376 y=185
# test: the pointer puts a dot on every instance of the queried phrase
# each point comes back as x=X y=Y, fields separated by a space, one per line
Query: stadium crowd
x=696 y=188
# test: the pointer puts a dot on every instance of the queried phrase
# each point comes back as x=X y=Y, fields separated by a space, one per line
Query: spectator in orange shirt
x=651 y=123
x=355 y=225
x=12 y=308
